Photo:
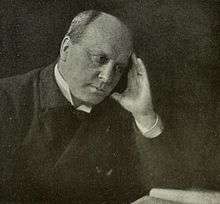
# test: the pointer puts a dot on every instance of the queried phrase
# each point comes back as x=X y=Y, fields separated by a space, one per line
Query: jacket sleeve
x=7 y=116
x=8 y=128
x=158 y=161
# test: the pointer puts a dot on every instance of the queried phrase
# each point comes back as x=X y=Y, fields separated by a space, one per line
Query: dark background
x=178 y=42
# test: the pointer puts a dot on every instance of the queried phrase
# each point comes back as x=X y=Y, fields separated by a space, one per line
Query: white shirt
x=152 y=132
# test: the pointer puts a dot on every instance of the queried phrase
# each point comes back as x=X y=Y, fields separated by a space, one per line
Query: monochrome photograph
x=109 y=101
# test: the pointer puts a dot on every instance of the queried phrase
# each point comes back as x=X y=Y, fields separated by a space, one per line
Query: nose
x=107 y=72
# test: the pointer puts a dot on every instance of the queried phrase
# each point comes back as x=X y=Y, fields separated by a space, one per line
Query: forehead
x=107 y=34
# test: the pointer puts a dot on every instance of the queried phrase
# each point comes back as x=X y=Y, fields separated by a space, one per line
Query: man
x=66 y=132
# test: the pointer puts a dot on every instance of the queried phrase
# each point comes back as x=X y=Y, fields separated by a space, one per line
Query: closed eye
x=119 y=68
x=100 y=59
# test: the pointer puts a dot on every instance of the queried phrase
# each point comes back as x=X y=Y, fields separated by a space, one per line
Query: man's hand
x=137 y=96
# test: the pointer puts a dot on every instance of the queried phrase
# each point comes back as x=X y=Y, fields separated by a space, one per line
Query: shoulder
x=4 y=101
x=16 y=94
x=15 y=84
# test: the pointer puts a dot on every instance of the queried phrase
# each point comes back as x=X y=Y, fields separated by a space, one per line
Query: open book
x=171 y=196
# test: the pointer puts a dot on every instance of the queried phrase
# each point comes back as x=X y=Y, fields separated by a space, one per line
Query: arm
x=137 y=100
x=150 y=132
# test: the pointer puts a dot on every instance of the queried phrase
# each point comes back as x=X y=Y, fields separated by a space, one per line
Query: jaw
x=90 y=99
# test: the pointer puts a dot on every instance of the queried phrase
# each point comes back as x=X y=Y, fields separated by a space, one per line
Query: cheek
x=87 y=72
x=87 y=76
x=82 y=74
x=79 y=61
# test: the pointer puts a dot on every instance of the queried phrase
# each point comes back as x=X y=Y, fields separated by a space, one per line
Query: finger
x=139 y=66
x=135 y=65
x=144 y=78
x=134 y=58
x=132 y=74
x=142 y=69
x=132 y=79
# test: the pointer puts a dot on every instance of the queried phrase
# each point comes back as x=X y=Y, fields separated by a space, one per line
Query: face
x=93 y=66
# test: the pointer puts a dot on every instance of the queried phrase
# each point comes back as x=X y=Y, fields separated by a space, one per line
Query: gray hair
x=80 y=23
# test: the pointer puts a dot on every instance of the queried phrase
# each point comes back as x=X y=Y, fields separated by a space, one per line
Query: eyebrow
x=96 y=51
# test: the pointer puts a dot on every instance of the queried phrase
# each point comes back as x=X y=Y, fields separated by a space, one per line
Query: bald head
x=108 y=28
x=94 y=54
x=103 y=21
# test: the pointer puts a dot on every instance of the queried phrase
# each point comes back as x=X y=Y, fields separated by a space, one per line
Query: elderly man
x=69 y=134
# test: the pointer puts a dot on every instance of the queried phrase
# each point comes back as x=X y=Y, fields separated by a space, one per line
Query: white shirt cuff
x=153 y=131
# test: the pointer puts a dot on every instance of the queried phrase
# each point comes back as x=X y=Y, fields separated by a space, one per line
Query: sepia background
x=178 y=41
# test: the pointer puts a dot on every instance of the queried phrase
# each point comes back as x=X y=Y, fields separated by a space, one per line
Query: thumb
x=117 y=97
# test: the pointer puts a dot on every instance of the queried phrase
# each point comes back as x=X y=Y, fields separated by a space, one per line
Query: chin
x=93 y=100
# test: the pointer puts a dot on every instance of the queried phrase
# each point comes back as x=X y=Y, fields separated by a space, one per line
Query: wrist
x=147 y=119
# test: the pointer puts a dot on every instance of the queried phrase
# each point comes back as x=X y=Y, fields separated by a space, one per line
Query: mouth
x=98 y=90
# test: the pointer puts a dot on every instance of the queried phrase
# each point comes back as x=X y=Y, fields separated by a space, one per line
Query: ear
x=64 y=48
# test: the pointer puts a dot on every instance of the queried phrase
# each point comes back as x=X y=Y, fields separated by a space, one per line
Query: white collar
x=64 y=87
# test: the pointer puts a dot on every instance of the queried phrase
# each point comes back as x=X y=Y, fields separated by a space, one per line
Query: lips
x=98 y=89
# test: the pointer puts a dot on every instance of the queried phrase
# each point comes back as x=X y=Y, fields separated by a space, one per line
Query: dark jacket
x=51 y=152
